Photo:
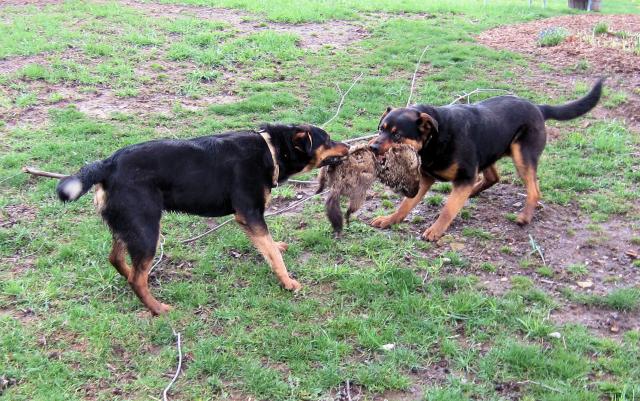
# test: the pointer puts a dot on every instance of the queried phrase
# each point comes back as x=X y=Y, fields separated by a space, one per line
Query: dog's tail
x=74 y=186
x=576 y=108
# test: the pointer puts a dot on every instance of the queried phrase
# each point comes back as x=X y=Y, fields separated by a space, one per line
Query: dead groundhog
x=399 y=170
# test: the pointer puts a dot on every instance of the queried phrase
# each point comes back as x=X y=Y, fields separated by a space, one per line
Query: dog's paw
x=384 y=221
x=523 y=219
x=293 y=285
x=432 y=233
x=161 y=309
x=282 y=246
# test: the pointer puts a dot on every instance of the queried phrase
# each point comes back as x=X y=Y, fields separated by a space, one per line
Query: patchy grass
x=72 y=329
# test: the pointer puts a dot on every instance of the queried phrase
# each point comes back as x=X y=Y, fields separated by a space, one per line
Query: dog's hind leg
x=490 y=177
x=117 y=257
x=527 y=170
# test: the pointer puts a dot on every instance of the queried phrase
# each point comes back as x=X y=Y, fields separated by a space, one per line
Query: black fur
x=230 y=173
x=457 y=142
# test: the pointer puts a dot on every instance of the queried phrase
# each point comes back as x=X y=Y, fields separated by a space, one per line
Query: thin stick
x=413 y=80
x=348 y=391
x=175 y=376
x=362 y=138
x=478 y=90
x=33 y=171
x=291 y=206
x=342 y=97
x=10 y=177
x=161 y=254
x=197 y=237
x=302 y=182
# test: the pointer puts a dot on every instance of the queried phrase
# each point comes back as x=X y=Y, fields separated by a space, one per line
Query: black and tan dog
x=231 y=173
x=458 y=142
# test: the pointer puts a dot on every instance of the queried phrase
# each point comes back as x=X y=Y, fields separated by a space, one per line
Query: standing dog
x=232 y=173
x=458 y=142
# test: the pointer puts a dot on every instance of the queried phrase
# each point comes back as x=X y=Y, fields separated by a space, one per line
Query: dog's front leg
x=455 y=202
x=406 y=206
x=256 y=228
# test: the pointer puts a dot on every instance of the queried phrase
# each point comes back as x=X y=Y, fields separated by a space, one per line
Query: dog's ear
x=387 y=111
x=427 y=124
x=303 y=141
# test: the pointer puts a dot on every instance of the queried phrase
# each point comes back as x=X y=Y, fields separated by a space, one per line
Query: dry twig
x=342 y=97
x=175 y=376
x=33 y=171
x=413 y=80
x=478 y=90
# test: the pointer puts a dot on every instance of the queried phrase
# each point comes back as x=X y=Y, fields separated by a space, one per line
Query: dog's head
x=403 y=126
x=314 y=145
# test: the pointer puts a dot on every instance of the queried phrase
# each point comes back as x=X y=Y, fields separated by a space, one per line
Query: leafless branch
x=175 y=376
x=413 y=80
x=34 y=171
x=478 y=90
x=343 y=95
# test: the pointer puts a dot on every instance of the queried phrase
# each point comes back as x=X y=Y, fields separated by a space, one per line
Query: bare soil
x=611 y=54
x=334 y=34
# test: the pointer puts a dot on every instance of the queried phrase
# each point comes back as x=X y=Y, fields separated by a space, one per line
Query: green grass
x=71 y=327
x=600 y=28
x=552 y=36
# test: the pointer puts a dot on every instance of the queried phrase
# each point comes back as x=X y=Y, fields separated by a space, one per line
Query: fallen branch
x=175 y=376
x=478 y=90
x=291 y=206
x=342 y=97
x=33 y=171
x=413 y=80
x=161 y=254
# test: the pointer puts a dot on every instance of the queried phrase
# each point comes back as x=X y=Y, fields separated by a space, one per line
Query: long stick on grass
x=413 y=80
x=175 y=376
x=342 y=97
x=34 y=171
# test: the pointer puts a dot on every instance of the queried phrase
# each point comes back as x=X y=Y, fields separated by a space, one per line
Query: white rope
x=175 y=376
x=161 y=254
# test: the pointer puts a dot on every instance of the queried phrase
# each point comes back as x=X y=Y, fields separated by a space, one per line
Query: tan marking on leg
x=406 y=206
x=449 y=173
x=270 y=250
x=455 y=202
x=117 y=257
x=529 y=176
x=490 y=177
x=100 y=198
x=282 y=246
x=267 y=197
x=139 y=281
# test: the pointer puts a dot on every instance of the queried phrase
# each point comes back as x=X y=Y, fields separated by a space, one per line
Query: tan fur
x=100 y=198
x=400 y=170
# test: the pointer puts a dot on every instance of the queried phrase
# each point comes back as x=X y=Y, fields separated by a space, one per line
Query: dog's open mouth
x=333 y=161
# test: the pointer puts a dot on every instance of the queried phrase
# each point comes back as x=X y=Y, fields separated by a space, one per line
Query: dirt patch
x=11 y=215
x=37 y=3
x=605 y=322
x=564 y=235
x=313 y=36
x=614 y=53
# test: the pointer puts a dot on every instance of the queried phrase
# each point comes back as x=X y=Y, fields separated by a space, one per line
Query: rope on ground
x=536 y=248
x=175 y=376
x=343 y=95
x=413 y=80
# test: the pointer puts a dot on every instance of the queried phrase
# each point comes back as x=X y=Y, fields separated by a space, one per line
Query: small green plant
x=600 y=28
x=582 y=65
x=465 y=214
x=622 y=34
x=635 y=240
x=577 y=270
x=488 y=267
x=511 y=217
x=435 y=200
x=545 y=271
x=615 y=99
x=506 y=250
x=476 y=233
x=552 y=36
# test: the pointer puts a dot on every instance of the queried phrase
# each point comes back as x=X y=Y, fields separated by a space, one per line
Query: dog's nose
x=375 y=147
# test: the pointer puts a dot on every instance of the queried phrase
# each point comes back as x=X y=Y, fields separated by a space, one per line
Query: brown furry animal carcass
x=399 y=170
x=351 y=178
